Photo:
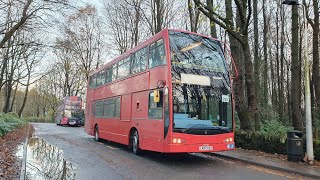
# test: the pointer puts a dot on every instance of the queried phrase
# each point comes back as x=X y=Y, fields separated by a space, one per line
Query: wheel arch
x=132 y=129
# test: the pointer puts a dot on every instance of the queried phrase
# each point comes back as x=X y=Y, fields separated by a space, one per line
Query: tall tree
x=83 y=32
x=281 y=74
x=247 y=109
x=256 y=59
x=124 y=18
x=315 y=83
x=295 y=72
x=265 y=53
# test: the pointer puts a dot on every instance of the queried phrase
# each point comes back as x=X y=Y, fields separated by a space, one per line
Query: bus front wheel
x=135 y=142
x=96 y=134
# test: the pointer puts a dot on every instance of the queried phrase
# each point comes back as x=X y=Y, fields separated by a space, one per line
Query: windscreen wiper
x=186 y=130
x=221 y=128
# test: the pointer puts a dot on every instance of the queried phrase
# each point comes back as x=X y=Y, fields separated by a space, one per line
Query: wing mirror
x=156 y=96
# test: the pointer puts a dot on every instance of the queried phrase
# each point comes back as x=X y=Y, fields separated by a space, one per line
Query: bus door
x=147 y=117
x=156 y=118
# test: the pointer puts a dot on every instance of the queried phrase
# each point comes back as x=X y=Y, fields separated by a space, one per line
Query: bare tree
x=124 y=18
x=83 y=32
x=248 y=114
x=295 y=73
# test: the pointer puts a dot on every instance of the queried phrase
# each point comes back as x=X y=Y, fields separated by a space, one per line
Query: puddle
x=45 y=161
x=19 y=153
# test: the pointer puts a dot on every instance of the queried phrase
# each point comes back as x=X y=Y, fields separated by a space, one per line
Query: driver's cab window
x=155 y=108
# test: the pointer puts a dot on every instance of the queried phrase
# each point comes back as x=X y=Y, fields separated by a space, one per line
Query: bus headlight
x=178 y=140
x=230 y=139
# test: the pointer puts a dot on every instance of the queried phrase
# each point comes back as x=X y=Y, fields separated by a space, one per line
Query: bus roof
x=143 y=44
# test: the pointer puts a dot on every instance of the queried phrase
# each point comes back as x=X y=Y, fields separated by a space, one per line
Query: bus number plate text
x=205 y=148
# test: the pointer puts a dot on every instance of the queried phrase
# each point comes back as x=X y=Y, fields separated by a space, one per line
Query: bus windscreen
x=201 y=89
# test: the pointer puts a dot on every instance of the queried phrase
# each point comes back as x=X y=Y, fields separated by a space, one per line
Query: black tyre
x=96 y=134
x=135 y=142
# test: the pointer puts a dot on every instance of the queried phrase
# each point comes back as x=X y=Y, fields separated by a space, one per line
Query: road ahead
x=83 y=158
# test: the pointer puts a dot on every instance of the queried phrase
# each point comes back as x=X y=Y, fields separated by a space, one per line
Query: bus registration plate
x=205 y=148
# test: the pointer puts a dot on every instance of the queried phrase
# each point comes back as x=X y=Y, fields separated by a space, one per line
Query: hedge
x=267 y=143
x=38 y=119
x=9 y=122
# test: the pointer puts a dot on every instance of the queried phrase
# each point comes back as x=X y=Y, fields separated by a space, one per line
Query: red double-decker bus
x=171 y=94
x=70 y=112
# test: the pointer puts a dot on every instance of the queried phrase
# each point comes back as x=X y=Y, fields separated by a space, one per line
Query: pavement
x=299 y=168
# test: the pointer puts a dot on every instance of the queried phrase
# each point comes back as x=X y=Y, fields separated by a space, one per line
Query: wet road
x=70 y=152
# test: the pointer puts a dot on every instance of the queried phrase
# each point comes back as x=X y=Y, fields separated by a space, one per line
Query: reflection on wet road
x=109 y=160
x=45 y=161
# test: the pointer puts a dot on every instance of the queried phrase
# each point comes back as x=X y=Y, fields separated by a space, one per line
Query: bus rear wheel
x=96 y=134
x=135 y=142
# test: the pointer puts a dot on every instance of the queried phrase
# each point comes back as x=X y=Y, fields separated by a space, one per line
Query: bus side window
x=108 y=107
x=114 y=71
x=117 y=108
x=100 y=78
x=138 y=61
x=93 y=81
x=108 y=75
x=155 y=108
x=157 y=54
x=124 y=68
x=98 y=110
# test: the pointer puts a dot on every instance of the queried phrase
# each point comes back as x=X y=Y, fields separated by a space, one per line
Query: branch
x=18 y=25
x=248 y=17
x=241 y=11
x=230 y=29
x=307 y=14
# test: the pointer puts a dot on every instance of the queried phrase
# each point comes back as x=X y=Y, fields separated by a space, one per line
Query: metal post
x=309 y=137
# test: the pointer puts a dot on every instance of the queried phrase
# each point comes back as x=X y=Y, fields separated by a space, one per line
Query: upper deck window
x=108 y=75
x=114 y=71
x=124 y=68
x=196 y=53
x=157 y=54
x=101 y=78
x=93 y=81
x=138 y=61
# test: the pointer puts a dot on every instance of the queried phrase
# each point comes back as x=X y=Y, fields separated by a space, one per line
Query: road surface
x=69 y=152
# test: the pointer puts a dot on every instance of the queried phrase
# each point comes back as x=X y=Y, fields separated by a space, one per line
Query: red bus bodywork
x=133 y=92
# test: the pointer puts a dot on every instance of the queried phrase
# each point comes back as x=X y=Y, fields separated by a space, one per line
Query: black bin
x=295 y=146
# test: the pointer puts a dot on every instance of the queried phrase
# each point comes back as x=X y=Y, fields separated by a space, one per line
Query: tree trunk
x=252 y=106
x=213 y=30
x=240 y=100
x=265 y=53
x=14 y=97
x=295 y=73
x=315 y=66
x=277 y=78
x=159 y=15
x=25 y=95
x=281 y=78
x=256 y=60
